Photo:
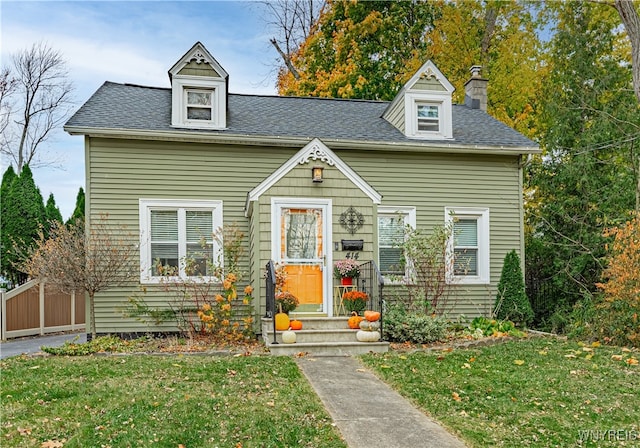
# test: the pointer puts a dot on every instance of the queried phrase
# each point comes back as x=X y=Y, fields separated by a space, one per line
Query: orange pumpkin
x=372 y=316
x=354 y=321
x=295 y=325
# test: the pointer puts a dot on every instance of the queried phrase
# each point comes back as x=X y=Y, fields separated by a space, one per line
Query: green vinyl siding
x=431 y=182
x=396 y=116
x=202 y=69
x=428 y=84
x=119 y=172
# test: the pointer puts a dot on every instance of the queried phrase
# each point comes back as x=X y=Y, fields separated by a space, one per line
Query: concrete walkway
x=367 y=412
x=14 y=347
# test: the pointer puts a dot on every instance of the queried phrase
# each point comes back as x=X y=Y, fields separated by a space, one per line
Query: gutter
x=298 y=142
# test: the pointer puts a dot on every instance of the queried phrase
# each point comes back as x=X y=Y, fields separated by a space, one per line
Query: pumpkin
x=282 y=321
x=354 y=321
x=372 y=316
x=367 y=336
x=295 y=324
x=369 y=326
x=289 y=337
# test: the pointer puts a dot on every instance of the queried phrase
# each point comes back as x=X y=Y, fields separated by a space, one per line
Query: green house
x=309 y=181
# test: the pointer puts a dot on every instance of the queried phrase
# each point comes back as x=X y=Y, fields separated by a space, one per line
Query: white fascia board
x=314 y=150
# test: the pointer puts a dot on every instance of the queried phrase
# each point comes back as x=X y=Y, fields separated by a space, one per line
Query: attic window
x=199 y=104
x=428 y=116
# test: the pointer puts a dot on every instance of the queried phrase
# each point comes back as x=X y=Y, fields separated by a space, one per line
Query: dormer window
x=199 y=91
x=199 y=104
x=428 y=116
x=422 y=108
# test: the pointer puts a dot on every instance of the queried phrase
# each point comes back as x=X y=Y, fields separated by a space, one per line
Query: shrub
x=512 y=302
x=616 y=317
x=403 y=326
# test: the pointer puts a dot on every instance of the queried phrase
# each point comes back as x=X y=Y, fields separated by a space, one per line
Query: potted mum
x=288 y=301
x=346 y=270
x=355 y=301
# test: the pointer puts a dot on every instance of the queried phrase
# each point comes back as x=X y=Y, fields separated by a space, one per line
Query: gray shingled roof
x=130 y=107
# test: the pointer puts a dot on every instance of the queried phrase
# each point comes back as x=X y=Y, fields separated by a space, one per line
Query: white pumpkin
x=289 y=337
x=369 y=326
x=367 y=336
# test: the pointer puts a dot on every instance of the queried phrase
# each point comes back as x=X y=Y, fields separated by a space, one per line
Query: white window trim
x=409 y=214
x=442 y=100
x=218 y=89
x=145 y=207
x=482 y=215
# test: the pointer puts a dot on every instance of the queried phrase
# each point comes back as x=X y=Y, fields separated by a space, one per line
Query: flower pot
x=346 y=281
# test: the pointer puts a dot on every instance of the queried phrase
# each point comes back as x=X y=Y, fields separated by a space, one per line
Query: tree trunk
x=286 y=60
x=631 y=21
x=92 y=315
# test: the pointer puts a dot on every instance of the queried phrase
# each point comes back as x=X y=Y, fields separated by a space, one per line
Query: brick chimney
x=475 y=90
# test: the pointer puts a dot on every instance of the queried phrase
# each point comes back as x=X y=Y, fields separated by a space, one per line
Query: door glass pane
x=301 y=233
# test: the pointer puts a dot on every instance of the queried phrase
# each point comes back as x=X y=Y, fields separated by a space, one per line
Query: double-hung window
x=468 y=244
x=428 y=116
x=392 y=223
x=177 y=238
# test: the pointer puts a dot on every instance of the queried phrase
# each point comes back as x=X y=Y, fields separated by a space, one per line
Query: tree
x=370 y=49
x=512 y=302
x=8 y=179
x=73 y=260
x=23 y=216
x=292 y=20
x=586 y=123
x=37 y=103
x=78 y=211
x=358 y=50
x=52 y=213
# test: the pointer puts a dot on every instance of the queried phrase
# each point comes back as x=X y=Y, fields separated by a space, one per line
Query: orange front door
x=302 y=253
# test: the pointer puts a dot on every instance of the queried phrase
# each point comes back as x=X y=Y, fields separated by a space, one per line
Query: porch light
x=316 y=173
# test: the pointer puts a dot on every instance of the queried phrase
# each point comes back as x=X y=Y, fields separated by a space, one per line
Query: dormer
x=422 y=108
x=198 y=91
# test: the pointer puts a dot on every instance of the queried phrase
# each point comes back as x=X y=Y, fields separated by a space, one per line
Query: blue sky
x=134 y=42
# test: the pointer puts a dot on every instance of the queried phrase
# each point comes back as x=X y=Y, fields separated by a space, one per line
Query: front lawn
x=540 y=392
x=163 y=401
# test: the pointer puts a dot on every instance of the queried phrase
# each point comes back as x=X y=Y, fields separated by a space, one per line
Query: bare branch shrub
x=73 y=260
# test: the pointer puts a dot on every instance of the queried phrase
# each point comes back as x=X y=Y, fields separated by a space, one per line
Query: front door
x=302 y=243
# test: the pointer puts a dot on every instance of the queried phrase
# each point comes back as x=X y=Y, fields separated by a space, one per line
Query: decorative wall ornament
x=199 y=57
x=316 y=152
x=351 y=220
x=429 y=73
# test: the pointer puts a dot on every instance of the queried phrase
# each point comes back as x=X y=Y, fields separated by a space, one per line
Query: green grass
x=158 y=401
x=539 y=393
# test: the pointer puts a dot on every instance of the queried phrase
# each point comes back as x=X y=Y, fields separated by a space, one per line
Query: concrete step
x=312 y=323
x=320 y=336
x=341 y=335
x=329 y=348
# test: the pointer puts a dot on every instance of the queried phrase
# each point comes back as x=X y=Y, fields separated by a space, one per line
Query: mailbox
x=352 y=244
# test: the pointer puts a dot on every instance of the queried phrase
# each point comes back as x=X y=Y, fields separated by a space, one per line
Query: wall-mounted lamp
x=316 y=173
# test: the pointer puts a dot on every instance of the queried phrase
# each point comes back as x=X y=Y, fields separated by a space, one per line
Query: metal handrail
x=372 y=282
x=270 y=288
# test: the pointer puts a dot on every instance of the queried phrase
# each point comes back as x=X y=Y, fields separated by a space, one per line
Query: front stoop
x=320 y=336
